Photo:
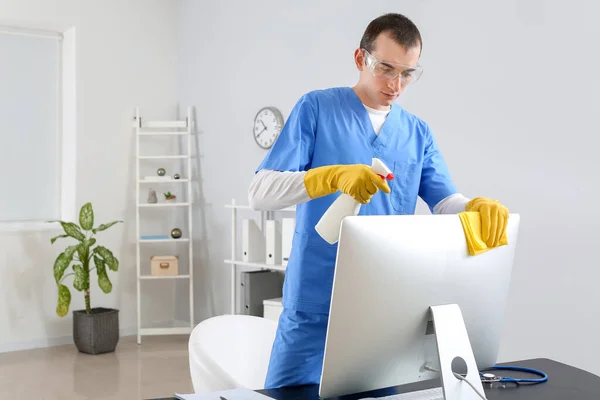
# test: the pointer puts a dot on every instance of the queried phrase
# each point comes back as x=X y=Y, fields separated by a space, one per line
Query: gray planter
x=97 y=332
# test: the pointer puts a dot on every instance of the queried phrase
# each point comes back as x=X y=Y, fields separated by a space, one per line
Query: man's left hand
x=494 y=219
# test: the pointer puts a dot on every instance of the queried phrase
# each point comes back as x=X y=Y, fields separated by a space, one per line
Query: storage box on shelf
x=272 y=308
x=272 y=237
x=163 y=266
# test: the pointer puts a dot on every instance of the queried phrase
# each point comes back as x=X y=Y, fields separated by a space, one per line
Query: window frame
x=66 y=127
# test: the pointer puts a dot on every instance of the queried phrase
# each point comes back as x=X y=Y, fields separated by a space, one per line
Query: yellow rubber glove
x=494 y=219
x=471 y=223
x=356 y=180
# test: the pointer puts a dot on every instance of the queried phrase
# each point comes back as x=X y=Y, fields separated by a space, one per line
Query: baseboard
x=51 y=342
x=35 y=344
x=63 y=340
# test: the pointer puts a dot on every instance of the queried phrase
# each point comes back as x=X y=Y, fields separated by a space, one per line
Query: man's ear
x=359 y=59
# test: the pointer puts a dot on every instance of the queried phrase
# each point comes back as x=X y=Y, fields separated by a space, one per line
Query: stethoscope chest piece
x=487 y=377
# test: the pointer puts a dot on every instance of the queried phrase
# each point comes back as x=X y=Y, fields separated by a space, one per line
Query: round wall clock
x=267 y=126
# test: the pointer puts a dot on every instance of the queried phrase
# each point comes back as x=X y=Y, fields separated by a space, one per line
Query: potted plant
x=95 y=330
x=169 y=196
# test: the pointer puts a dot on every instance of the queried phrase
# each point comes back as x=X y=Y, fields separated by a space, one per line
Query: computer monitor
x=389 y=271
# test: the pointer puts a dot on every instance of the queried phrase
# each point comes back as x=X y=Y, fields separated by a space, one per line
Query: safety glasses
x=390 y=71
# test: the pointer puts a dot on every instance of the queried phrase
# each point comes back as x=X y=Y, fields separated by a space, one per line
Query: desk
x=564 y=383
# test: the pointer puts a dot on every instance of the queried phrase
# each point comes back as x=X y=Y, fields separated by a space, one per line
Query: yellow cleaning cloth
x=471 y=222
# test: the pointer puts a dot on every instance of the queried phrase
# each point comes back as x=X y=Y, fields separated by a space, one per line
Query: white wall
x=125 y=57
x=508 y=89
x=515 y=128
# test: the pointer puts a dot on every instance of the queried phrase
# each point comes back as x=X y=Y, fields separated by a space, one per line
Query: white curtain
x=29 y=127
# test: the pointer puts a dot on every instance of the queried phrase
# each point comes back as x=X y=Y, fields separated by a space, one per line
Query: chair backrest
x=230 y=351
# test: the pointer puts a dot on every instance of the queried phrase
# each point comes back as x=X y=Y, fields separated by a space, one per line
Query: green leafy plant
x=79 y=256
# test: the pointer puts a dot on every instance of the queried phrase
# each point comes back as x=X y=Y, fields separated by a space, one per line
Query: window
x=36 y=183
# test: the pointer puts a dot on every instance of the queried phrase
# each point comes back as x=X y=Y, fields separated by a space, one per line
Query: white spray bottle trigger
x=381 y=169
x=330 y=223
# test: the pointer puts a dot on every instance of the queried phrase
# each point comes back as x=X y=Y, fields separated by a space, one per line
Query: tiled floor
x=157 y=368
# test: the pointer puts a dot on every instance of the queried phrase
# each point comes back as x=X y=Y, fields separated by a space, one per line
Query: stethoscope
x=487 y=377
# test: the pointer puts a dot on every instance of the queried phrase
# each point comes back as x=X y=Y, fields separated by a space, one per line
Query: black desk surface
x=564 y=383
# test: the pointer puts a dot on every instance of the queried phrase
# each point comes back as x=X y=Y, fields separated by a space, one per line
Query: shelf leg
x=190 y=217
x=137 y=230
x=233 y=247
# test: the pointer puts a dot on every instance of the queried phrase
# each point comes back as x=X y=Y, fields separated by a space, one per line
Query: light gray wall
x=509 y=90
x=125 y=57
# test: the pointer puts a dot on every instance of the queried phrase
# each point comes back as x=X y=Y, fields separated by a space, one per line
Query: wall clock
x=267 y=126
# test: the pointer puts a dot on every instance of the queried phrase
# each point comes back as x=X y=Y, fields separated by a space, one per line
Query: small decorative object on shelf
x=176 y=176
x=152 y=196
x=176 y=233
x=170 y=196
x=161 y=172
x=154 y=237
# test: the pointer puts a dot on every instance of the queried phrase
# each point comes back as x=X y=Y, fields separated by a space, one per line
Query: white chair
x=230 y=351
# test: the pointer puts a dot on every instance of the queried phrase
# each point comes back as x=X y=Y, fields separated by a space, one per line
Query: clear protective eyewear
x=391 y=71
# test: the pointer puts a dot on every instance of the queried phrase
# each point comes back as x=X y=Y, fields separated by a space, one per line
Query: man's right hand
x=356 y=180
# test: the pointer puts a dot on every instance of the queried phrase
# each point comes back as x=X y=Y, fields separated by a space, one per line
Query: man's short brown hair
x=400 y=28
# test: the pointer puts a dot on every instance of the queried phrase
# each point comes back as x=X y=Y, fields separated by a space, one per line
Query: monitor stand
x=453 y=342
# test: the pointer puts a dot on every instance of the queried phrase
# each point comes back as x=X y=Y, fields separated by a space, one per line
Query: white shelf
x=231 y=206
x=178 y=156
x=264 y=216
x=167 y=133
x=162 y=180
x=277 y=267
x=165 y=124
x=150 y=205
x=180 y=127
x=165 y=331
x=163 y=240
x=151 y=277
x=247 y=207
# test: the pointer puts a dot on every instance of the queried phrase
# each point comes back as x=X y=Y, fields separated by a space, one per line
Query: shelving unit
x=165 y=128
x=165 y=205
x=158 y=133
x=275 y=267
x=163 y=180
x=163 y=158
x=233 y=262
x=165 y=277
x=164 y=240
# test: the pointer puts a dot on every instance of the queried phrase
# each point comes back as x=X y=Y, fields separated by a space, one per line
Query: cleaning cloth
x=471 y=222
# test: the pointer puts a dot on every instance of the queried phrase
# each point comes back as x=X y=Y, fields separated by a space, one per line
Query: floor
x=157 y=368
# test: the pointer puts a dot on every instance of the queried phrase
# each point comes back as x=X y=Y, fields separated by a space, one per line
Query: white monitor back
x=389 y=271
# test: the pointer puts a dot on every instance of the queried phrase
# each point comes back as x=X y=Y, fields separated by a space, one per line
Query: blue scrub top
x=332 y=126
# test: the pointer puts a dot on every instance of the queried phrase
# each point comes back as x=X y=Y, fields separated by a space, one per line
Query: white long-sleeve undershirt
x=275 y=190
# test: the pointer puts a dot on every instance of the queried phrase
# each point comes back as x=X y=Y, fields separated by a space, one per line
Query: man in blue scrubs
x=325 y=149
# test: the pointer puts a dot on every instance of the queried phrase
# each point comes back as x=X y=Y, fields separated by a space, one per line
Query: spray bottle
x=330 y=223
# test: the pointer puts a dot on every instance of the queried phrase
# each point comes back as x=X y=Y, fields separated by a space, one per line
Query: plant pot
x=96 y=333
